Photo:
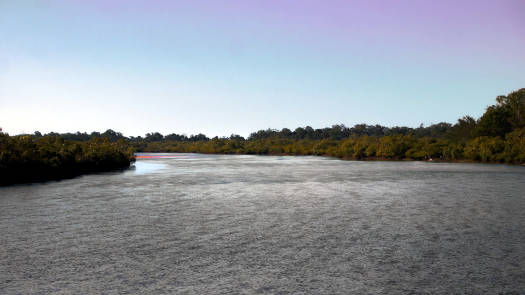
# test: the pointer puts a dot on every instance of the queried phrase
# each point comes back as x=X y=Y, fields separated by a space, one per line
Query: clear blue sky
x=222 y=67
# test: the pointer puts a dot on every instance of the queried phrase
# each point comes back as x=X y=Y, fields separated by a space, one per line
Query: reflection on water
x=218 y=224
x=143 y=167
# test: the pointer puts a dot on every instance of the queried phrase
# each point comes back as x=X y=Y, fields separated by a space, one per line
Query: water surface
x=213 y=224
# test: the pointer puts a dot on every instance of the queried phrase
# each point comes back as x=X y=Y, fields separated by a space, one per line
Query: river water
x=216 y=224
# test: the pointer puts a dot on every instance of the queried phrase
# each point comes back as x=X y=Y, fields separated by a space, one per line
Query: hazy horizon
x=238 y=67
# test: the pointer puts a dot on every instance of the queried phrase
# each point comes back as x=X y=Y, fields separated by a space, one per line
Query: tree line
x=497 y=136
x=506 y=116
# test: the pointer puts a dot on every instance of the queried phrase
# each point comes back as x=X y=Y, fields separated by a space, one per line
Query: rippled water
x=271 y=225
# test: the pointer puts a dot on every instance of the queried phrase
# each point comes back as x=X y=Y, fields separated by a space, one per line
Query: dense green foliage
x=25 y=159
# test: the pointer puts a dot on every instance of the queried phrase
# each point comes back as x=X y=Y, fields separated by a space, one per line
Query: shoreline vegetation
x=24 y=159
x=498 y=136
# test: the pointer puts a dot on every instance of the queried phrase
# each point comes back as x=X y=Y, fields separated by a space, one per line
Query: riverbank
x=23 y=160
x=484 y=149
x=24 y=176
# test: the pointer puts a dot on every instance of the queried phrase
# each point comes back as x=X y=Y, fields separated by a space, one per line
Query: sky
x=223 y=67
